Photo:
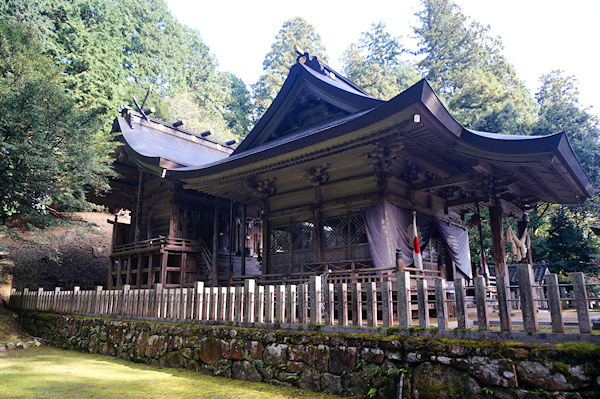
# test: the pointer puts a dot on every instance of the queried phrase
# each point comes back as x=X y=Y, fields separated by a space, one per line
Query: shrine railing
x=408 y=301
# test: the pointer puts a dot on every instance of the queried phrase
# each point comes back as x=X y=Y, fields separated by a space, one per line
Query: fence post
x=96 y=302
x=387 y=310
x=280 y=304
x=404 y=310
x=423 y=306
x=460 y=295
x=528 y=306
x=316 y=300
x=554 y=303
x=441 y=304
x=214 y=303
x=249 y=289
x=199 y=292
x=356 y=305
x=222 y=306
x=157 y=305
x=270 y=303
x=581 y=303
x=75 y=300
x=259 y=304
x=342 y=289
x=230 y=306
x=502 y=290
x=480 y=301
x=371 y=304
x=125 y=299
x=328 y=303
x=38 y=299
x=291 y=304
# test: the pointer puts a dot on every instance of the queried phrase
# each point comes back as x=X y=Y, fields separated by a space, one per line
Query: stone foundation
x=346 y=364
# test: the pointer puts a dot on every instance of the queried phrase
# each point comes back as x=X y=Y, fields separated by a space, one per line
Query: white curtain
x=387 y=230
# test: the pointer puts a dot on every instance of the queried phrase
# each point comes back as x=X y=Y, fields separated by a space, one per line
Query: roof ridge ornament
x=311 y=61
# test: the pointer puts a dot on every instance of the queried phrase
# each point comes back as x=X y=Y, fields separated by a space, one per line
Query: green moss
x=579 y=350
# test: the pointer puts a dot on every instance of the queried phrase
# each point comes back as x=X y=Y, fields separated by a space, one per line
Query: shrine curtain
x=387 y=230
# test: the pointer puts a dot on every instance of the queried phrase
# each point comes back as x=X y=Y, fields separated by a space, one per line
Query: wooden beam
x=445 y=182
x=214 y=272
x=139 y=207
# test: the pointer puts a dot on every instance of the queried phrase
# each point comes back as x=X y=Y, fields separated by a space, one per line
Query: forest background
x=68 y=66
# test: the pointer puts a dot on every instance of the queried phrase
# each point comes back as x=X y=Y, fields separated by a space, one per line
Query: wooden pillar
x=498 y=241
x=163 y=268
x=183 y=269
x=139 y=207
x=318 y=235
x=242 y=241
x=214 y=267
x=174 y=223
x=266 y=245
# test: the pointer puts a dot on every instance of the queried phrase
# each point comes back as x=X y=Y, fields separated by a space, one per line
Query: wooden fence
x=405 y=302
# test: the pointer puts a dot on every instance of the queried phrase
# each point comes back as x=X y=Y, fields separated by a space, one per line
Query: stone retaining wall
x=348 y=364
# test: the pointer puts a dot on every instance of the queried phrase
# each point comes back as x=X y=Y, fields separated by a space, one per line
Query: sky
x=538 y=35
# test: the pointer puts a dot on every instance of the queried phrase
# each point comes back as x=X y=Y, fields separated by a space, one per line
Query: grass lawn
x=48 y=372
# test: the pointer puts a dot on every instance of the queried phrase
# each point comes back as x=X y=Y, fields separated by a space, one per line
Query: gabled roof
x=313 y=94
x=155 y=145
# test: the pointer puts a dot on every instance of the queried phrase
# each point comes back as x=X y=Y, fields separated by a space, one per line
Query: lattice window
x=358 y=231
x=335 y=232
x=280 y=239
x=303 y=236
x=344 y=230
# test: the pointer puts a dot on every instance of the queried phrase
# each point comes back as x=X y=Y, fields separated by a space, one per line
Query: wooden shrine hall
x=329 y=177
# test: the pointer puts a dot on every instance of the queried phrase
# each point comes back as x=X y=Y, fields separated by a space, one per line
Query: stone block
x=373 y=355
x=331 y=383
x=294 y=367
x=275 y=354
x=210 y=350
x=154 y=345
x=310 y=379
x=342 y=359
x=245 y=370
x=540 y=375
x=354 y=384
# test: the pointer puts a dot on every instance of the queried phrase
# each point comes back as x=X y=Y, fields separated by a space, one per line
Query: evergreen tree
x=466 y=68
x=374 y=64
x=278 y=61
x=560 y=111
x=49 y=148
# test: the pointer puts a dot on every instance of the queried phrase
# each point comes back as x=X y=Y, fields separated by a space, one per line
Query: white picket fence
x=371 y=304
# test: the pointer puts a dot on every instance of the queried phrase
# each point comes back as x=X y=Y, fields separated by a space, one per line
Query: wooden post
x=356 y=305
x=581 y=303
x=270 y=303
x=280 y=304
x=503 y=290
x=259 y=307
x=207 y=301
x=249 y=289
x=387 y=310
x=480 y=301
x=460 y=296
x=554 y=303
x=441 y=304
x=230 y=307
x=290 y=304
x=423 y=306
x=222 y=306
x=342 y=289
x=139 y=208
x=528 y=306
x=328 y=303
x=303 y=304
x=97 y=308
x=498 y=245
x=371 y=304
x=242 y=242
x=199 y=300
x=316 y=300
x=404 y=310
x=239 y=303
x=214 y=302
x=38 y=299
x=214 y=272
